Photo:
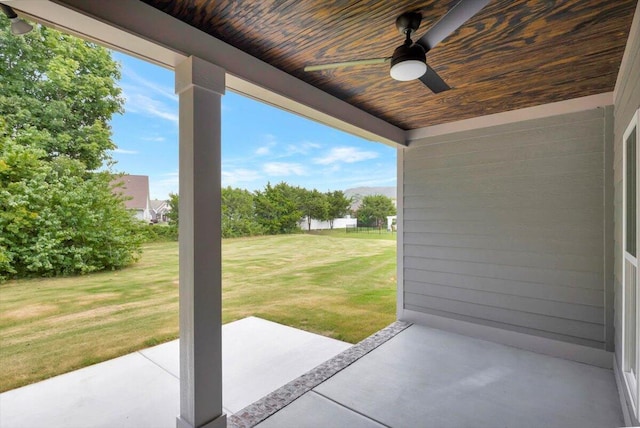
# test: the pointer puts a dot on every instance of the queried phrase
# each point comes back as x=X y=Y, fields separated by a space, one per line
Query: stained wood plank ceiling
x=513 y=54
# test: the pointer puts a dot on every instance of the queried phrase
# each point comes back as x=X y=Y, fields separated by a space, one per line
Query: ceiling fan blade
x=458 y=15
x=434 y=82
x=347 y=64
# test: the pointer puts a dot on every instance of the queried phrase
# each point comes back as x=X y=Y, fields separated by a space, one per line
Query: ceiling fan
x=409 y=59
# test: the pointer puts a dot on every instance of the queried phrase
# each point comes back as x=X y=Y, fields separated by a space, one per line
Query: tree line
x=279 y=209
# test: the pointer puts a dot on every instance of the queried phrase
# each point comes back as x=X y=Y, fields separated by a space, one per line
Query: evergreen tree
x=238 y=214
x=375 y=209
x=277 y=208
x=313 y=205
x=338 y=205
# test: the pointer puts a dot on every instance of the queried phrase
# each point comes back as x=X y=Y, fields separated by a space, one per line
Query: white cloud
x=239 y=175
x=139 y=102
x=283 y=169
x=149 y=86
x=269 y=142
x=345 y=155
x=149 y=98
x=125 y=151
x=302 y=148
x=154 y=138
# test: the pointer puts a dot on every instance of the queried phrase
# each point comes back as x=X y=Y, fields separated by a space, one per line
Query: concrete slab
x=420 y=377
x=124 y=392
x=428 y=377
x=313 y=411
x=142 y=389
x=260 y=356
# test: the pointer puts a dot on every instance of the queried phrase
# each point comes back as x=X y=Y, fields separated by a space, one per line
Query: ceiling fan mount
x=408 y=61
x=408 y=22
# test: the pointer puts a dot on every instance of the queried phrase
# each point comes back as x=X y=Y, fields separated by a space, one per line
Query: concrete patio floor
x=419 y=377
x=142 y=389
x=424 y=377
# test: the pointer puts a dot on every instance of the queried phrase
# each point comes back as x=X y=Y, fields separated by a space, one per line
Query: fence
x=366 y=229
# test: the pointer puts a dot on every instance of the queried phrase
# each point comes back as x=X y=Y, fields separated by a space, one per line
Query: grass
x=327 y=283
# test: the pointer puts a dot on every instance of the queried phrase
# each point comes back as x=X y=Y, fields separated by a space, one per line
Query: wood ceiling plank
x=512 y=54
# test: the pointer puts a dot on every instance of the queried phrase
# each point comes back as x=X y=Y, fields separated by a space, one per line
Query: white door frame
x=630 y=369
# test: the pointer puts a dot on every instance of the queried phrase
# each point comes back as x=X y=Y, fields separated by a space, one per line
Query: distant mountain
x=357 y=193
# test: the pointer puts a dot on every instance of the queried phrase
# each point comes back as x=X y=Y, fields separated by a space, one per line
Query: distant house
x=135 y=188
x=159 y=210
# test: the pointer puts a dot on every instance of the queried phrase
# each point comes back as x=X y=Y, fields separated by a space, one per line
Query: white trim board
x=540 y=345
x=626 y=411
x=537 y=112
x=400 y=233
x=143 y=31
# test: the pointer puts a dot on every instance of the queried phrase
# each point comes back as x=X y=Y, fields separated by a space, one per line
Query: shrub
x=57 y=218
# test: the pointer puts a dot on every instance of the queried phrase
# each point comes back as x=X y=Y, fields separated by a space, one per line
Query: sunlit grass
x=326 y=283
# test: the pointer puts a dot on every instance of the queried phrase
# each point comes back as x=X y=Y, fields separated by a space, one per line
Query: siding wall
x=626 y=102
x=504 y=227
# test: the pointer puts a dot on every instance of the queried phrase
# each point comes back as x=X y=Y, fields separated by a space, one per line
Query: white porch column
x=200 y=86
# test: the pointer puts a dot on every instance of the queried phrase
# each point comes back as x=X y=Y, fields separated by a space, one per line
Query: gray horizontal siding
x=554 y=276
x=578 y=296
x=504 y=227
x=497 y=184
x=567 y=310
x=488 y=322
x=531 y=153
x=626 y=102
x=472 y=140
x=586 y=263
x=557 y=245
x=567 y=327
x=540 y=166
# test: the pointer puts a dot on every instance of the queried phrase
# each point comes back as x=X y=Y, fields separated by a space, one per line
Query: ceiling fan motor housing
x=408 y=52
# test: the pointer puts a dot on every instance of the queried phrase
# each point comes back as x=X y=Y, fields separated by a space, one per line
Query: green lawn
x=326 y=283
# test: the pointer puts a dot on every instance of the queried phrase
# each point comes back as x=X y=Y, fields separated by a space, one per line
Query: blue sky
x=260 y=143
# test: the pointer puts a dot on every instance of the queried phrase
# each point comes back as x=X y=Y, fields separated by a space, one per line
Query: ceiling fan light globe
x=408 y=70
x=408 y=62
x=19 y=27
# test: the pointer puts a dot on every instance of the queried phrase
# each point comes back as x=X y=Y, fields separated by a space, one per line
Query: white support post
x=200 y=86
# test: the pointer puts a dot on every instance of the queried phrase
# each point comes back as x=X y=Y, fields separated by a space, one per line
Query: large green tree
x=338 y=204
x=58 y=214
x=238 y=214
x=313 y=205
x=277 y=208
x=375 y=209
x=58 y=93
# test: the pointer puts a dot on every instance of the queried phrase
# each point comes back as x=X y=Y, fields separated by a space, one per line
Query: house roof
x=159 y=205
x=136 y=189
x=513 y=54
